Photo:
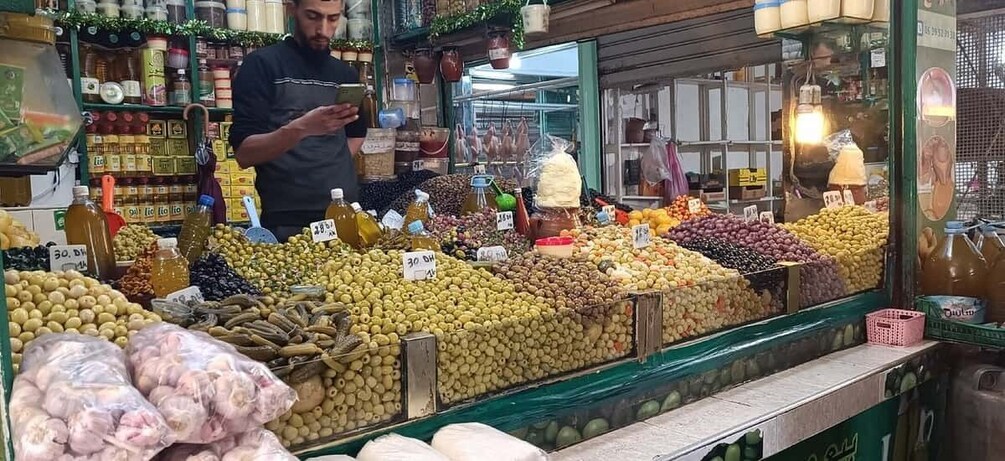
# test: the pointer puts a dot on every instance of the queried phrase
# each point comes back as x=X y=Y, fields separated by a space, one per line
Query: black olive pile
x=762 y=271
x=587 y=199
x=217 y=280
x=379 y=195
x=27 y=258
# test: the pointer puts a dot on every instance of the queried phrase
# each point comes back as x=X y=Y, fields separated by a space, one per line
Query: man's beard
x=308 y=45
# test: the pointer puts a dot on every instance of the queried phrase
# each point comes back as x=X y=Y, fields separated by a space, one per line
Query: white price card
x=419 y=265
x=504 y=220
x=849 y=198
x=418 y=165
x=393 y=220
x=185 y=295
x=750 y=213
x=610 y=210
x=68 y=257
x=877 y=58
x=323 y=231
x=640 y=236
x=694 y=205
x=871 y=206
x=832 y=199
x=496 y=253
x=767 y=217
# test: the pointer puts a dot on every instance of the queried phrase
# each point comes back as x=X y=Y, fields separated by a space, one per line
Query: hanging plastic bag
x=677 y=184
x=478 y=442
x=255 y=444
x=553 y=173
x=849 y=161
x=654 y=163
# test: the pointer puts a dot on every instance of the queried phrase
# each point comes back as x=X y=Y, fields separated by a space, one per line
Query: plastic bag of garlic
x=255 y=444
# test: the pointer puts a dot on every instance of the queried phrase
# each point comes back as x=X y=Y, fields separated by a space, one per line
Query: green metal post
x=7 y=367
x=903 y=162
x=590 y=159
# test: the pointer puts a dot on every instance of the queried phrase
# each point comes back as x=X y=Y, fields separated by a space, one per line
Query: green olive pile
x=274 y=268
x=56 y=302
x=560 y=282
x=854 y=236
x=490 y=335
x=132 y=240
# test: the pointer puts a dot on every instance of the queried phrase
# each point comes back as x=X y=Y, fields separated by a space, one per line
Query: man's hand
x=325 y=120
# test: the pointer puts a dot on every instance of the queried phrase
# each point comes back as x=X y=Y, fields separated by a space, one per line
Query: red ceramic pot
x=451 y=66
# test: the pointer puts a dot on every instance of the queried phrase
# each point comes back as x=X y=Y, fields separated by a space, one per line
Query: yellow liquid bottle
x=478 y=198
x=345 y=219
x=169 y=269
x=196 y=229
x=87 y=225
x=989 y=244
x=369 y=230
x=418 y=210
x=421 y=240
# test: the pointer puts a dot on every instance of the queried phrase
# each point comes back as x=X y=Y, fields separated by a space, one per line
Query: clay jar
x=451 y=66
x=425 y=65
x=498 y=49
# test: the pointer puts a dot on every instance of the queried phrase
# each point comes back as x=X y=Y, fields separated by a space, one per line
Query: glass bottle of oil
x=87 y=225
x=419 y=209
x=169 y=269
x=196 y=229
x=345 y=219
x=421 y=240
x=369 y=230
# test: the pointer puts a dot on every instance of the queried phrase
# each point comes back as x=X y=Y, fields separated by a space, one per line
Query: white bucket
x=535 y=17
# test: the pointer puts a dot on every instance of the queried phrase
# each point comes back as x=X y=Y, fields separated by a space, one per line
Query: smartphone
x=351 y=93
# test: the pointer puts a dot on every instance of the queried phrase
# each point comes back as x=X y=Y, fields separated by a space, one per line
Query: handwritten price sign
x=832 y=199
x=640 y=236
x=504 y=220
x=323 y=231
x=419 y=265
x=694 y=205
x=750 y=213
x=68 y=257
x=496 y=253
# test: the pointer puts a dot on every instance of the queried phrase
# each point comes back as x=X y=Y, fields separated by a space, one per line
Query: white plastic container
x=881 y=11
x=823 y=10
x=359 y=29
x=767 y=17
x=794 y=14
x=237 y=15
x=857 y=11
x=256 y=15
x=274 y=20
x=358 y=9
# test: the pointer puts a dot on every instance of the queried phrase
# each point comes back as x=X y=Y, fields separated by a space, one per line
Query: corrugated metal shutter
x=686 y=48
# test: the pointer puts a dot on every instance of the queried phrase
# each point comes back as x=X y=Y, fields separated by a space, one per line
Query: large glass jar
x=550 y=222
x=451 y=66
x=425 y=65
x=498 y=49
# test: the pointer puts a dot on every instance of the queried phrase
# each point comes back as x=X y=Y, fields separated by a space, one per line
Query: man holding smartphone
x=288 y=126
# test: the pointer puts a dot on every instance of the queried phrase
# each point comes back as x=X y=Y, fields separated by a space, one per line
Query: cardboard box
x=222 y=168
x=748 y=177
x=220 y=150
x=242 y=190
x=225 y=130
x=177 y=129
x=178 y=148
x=158 y=147
x=242 y=179
x=157 y=129
x=747 y=192
x=224 y=180
x=164 y=166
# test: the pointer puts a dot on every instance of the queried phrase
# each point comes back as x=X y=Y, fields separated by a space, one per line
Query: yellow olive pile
x=54 y=302
x=274 y=268
x=132 y=240
x=699 y=296
x=854 y=236
x=490 y=336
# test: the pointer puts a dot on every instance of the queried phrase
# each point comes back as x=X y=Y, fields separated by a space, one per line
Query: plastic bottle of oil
x=419 y=209
x=478 y=198
x=421 y=240
x=989 y=244
x=956 y=267
x=87 y=225
x=169 y=269
x=345 y=219
x=196 y=229
x=369 y=230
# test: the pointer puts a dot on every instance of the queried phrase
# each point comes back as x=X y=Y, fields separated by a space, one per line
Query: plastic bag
x=252 y=445
x=849 y=161
x=677 y=184
x=205 y=389
x=73 y=400
x=478 y=442
x=393 y=447
x=553 y=173
x=332 y=458
x=654 y=164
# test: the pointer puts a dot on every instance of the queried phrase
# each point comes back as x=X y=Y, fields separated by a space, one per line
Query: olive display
x=461 y=237
x=379 y=195
x=854 y=236
x=216 y=280
x=446 y=193
x=27 y=258
x=563 y=283
x=41 y=302
x=762 y=271
x=132 y=240
x=819 y=281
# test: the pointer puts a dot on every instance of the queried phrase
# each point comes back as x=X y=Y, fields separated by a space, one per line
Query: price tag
x=323 y=231
x=393 y=220
x=849 y=199
x=419 y=265
x=832 y=199
x=496 y=253
x=418 y=165
x=694 y=205
x=871 y=206
x=504 y=220
x=640 y=236
x=611 y=210
x=877 y=58
x=750 y=213
x=68 y=257
x=186 y=295
x=767 y=217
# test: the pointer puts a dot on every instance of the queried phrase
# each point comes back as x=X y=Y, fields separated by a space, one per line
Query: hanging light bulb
x=810 y=122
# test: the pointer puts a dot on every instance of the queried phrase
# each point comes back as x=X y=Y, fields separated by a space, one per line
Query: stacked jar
x=213 y=12
x=237 y=15
x=157 y=10
x=221 y=87
x=275 y=21
x=360 y=23
x=131 y=9
x=109 y=8
x=256 y=15
x=176 y=11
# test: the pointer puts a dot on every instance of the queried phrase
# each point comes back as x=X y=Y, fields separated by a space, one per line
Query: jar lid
x=178 y=51
x=554 y=241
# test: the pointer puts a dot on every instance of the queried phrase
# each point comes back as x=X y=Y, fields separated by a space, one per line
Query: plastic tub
x=767 y=18
x=177 y=58
x=857 y=11
x=794 y=14
x=433 y=142
x=881 y=11
x=157 y=13
x=131 y=12
x=560 y=247
x=237 y=15
x=378 y=153
x=359 y=29
x=403 y=89
x=214 y=13
x=108 y=9
x=358 y=9
x=256 y=15
x=176 y=11
x=823 y=10
x=87 y=6
x=274 y=20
